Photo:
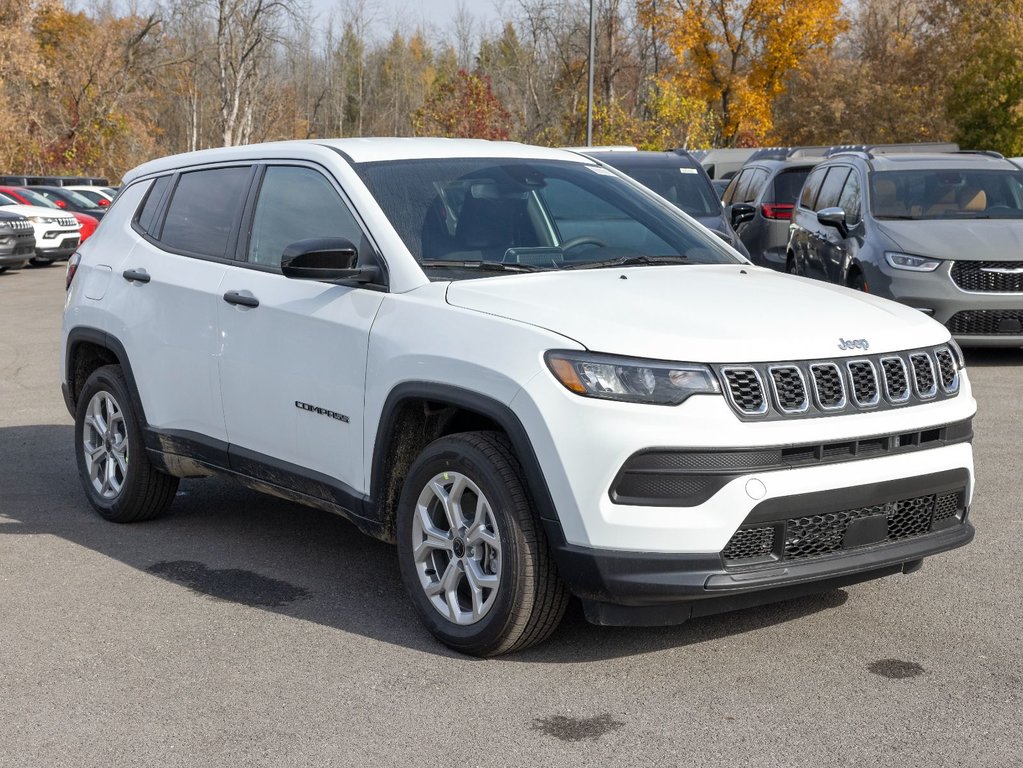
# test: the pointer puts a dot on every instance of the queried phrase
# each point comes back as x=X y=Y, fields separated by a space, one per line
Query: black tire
x=145 y=492
x=37 y=261
x=2 y=270
x=857 y=282
x=792 y=266
x=530 y=599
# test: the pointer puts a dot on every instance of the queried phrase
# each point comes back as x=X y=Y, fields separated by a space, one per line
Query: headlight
x=609 y=377
x=913 y=263
x=43 y=220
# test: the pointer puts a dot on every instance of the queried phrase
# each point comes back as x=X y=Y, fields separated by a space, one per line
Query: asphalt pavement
x=244 y=630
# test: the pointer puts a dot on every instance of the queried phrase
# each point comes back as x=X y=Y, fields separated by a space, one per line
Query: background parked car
x=17 y=241
x=56 y=232
x=27 y=196
x=938 y=232
x=101 y=196
x=678 y=178
x=759 y=202
x=69 y=200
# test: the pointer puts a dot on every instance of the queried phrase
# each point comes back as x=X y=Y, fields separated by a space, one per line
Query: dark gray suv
x=939 y=232
x=759 y=201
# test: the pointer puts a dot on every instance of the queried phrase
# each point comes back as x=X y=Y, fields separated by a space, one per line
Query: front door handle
x=241 y=298
x=136 y=276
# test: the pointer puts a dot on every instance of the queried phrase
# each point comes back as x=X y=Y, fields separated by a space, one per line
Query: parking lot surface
x=245 y=630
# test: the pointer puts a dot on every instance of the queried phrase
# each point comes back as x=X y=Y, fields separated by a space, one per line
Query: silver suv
x=942 y=233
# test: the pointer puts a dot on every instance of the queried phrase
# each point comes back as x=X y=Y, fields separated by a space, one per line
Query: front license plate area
x=865 y=530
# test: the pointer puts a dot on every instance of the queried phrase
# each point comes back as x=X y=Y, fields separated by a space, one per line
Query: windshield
x=5 y=200
x=73 y=197
x=669 y=176
x=34 y=198
x=535 y=214
x=947 y=194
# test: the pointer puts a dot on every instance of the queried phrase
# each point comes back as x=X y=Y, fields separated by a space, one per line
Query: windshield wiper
x=899 y=217
x=495 y=266
x=628 y=261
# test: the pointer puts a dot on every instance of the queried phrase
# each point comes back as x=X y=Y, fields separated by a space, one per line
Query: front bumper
x=938 y=295
x=643 y=588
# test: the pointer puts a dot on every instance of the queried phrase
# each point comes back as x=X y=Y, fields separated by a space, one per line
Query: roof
x=922 y=161
x=363 y=150
x=637 y=158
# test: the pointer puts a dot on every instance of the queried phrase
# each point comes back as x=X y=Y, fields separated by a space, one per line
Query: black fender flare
x=448 y=394
x=85 y=334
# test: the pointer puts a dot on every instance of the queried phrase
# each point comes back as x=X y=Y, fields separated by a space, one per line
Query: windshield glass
x=34 y=198
x=673 y=179
x=953 y=193
x=540 y=214
x=73 y=197
x=5 y=200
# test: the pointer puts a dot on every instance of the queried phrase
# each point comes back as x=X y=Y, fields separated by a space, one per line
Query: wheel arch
x=89 y=349
x=416 y=413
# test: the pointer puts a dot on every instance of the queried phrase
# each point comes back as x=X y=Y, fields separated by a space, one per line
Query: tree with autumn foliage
x=462 y=106
x=736 y=54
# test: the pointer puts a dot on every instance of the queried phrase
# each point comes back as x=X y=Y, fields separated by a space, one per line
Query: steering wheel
x=582 y=240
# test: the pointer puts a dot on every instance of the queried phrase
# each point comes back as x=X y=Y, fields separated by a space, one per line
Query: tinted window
x=811 y=187
x=202 y=212
x=849 y=200
x=147 y=214
x=674 y=179
x=832 y=188
x=756 y=185
x=297 y=204
x=947 y=193
x=786 y=185
x=732 y=192
x=547 y=214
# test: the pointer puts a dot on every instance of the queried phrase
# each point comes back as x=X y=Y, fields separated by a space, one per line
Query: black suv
x=676 y=176
x=939 y=232
x=760 y=200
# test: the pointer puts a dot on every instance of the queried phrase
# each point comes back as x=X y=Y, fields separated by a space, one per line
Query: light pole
x=589 y=87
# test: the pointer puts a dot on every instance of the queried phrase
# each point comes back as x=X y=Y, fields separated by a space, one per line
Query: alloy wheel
x=105 y=445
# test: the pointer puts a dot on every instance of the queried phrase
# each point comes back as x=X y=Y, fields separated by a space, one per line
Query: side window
x=202 y=213
x=756 y=184
x=832 y=187
x=297 y=203
x=849 y=200
x=732 y=191
x=147 y=213
x=810 y=189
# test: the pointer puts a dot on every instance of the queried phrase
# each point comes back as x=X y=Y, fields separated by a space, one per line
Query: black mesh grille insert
x=923 y=372
x=864 y=382
x=996 y=276
x=987 y=322
x=946 y=506
x=946 y=369
x=750 y=544
x=895 y=378
x=828 y=380
x=788 y=386
x=745 y=388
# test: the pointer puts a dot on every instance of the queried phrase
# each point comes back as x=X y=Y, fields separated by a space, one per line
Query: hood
x=700 y=313
x=37 y=210
x=963 y=239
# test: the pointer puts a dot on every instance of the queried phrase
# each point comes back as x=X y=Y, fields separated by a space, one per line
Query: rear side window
x=756 y=185
x=732 y=191
x=786 y=185
x=147 y=214
x=202 y=213
x=831 y=190
x=811 y=188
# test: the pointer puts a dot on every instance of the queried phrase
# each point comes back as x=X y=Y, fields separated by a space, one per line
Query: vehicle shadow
x=983 y=357
x=225 y=542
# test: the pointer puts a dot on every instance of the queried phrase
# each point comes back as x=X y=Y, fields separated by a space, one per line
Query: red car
x=28 y=197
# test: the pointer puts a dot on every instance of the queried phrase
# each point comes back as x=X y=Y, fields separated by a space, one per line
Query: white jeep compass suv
x=536 y=377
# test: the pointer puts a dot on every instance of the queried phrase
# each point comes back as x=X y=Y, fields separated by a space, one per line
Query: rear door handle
x=241 y=298
x=136 y=276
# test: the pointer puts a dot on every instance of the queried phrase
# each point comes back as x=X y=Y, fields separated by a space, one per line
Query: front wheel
x=472 y=552
x=118 y=478
x=39 y=261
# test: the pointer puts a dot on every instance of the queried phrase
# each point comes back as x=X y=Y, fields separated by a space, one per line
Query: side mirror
x=327 y=259
x=834 y=217
x=740 y=213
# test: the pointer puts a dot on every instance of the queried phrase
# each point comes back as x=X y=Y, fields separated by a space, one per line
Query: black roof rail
x=883 y=149
x=854 y=152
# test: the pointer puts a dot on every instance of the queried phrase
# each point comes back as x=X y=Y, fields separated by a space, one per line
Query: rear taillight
x=777 y=210
x=72 y=267
x=103 y=203
x=60 y=203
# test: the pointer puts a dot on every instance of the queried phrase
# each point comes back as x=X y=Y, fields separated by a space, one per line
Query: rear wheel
x=38 y=261
x=472 y=552
x=118 y=479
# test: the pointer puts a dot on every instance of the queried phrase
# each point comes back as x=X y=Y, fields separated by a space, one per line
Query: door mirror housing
x=740 y=213
x=326 y=259
x=834 y=217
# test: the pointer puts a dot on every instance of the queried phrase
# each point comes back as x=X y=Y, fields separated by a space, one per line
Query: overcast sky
x=409 y=14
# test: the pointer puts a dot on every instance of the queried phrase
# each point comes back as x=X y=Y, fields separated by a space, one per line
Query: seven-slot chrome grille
x=846 y=385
